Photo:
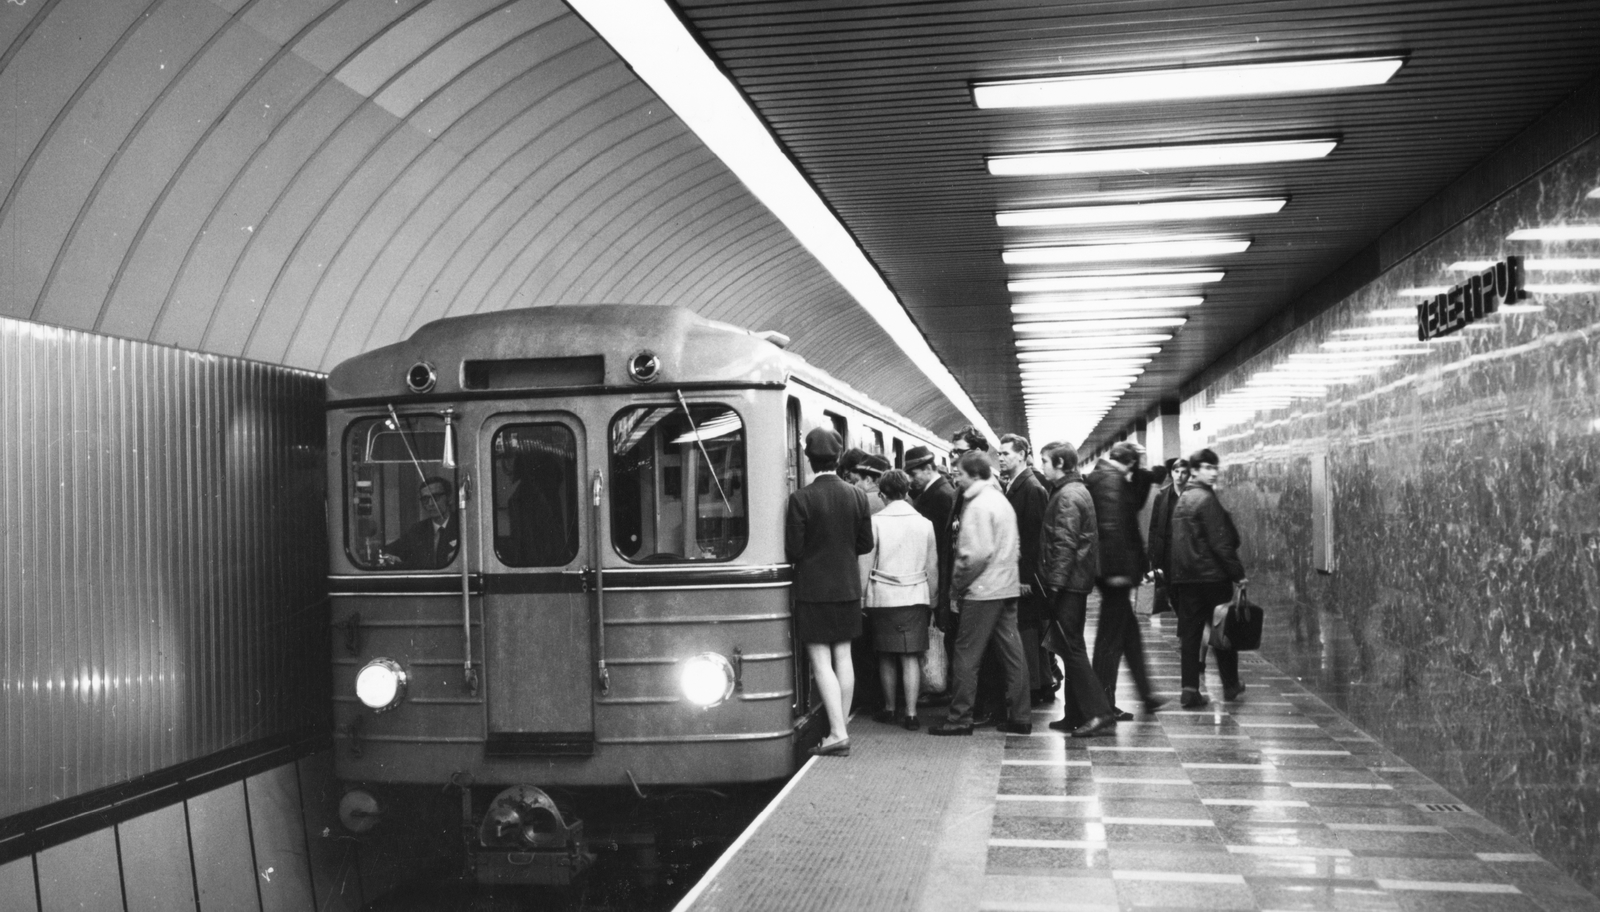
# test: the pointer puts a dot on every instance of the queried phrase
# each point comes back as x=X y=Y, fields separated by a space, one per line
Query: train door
x=537 y=616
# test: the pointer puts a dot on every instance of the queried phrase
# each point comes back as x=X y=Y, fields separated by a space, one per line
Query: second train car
x=558 y=573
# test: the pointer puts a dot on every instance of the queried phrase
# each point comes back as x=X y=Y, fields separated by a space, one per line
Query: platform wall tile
x=81 y=875
x=223 y=870
x=156 y=872
x=278 y=828
x=16 y=886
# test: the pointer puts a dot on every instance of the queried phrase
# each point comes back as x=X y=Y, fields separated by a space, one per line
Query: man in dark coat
x=1119 y=488
x=1028 y=497
x=1205 y=568
x=936 y=501
x=1161 y=532
x=827 y=526
x=431 y=542
x=1068 y=563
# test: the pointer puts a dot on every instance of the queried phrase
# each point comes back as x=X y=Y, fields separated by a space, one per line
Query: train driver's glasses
x=399 y=494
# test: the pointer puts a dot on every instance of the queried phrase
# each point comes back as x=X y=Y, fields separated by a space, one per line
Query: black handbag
x=1237 y=625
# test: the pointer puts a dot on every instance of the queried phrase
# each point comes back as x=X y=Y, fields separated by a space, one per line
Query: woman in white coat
x=897 y=580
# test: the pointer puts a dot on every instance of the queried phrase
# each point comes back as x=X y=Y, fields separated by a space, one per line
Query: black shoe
x=1231 y=692
x=1016 y=728
x=911 y=724
x=950 y=728
x=1067 y=724
x=1093 y=727
x=981 y=719
x=941 y=698
x=1193 y=700
x=1041 y=697
x=886 y=716
x=1153 y=704
x=1120 y=715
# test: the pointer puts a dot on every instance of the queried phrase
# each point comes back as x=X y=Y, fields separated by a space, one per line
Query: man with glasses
x=432 y=541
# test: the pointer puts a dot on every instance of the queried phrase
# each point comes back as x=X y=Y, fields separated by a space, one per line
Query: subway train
x=557 y=575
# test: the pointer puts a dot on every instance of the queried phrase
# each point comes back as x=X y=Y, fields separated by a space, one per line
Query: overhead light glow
x=1074 y=357
x=1552 y=264
x=1118 y=353
x=1184 y=83
x=1425 y=291
x=1398 y=330
x=1094 y=281
x=657 y=46
x=1557 y=233
x=1106 y=307
x=1567 y=288
x=1091 y=342
x=1377 y=346
x=1177 y=211
x=1095 y=369
x=1515 y=309
x=1164 y=249
x=1158 y=158
x=1093 y=326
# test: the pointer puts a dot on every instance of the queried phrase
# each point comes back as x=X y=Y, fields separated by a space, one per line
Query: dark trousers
x=1195 y=604
x=1080 y=689
x=1119 y=637
x=983 y=622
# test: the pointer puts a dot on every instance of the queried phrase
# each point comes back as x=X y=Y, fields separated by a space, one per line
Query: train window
x=877 y=441
x=401 y=500
x=535 y=495
x=678 y=488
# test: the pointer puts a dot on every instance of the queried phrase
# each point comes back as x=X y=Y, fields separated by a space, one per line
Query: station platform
x=1274 y=802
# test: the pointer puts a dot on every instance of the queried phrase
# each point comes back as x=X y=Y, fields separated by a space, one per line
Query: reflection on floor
x=1272 y=802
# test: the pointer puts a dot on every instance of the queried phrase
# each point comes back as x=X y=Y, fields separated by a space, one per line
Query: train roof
x=585 y=346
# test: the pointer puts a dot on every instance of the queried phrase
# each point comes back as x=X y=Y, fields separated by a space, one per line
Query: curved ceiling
x=298 y=181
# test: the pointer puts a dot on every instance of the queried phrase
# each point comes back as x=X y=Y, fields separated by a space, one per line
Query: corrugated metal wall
x=162 y=569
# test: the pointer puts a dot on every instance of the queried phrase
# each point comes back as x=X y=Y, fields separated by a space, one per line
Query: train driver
x=431 y=542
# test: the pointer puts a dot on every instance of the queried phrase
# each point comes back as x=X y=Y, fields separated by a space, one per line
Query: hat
x=1203 y=456
x=823 y=443
x=917 y=457
x=873 y=465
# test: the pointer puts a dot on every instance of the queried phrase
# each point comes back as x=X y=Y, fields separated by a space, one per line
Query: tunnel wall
x=162 y=566
x=1461 y=622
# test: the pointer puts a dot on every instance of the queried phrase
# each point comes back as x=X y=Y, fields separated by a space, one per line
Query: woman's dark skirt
x=827 y=622
x=903 y=628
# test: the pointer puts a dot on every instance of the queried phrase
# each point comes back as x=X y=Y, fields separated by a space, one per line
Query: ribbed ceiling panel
x=298 y=181
x=873 y=101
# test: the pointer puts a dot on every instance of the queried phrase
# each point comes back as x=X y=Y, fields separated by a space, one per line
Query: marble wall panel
x=1466 y=491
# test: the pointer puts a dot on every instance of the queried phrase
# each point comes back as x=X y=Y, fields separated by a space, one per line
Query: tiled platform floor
x=1274 y=802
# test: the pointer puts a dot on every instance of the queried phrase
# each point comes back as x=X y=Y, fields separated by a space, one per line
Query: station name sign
x=1468 y=302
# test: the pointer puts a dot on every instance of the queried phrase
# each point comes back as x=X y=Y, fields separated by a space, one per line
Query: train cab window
x=400 y=499
x=535 y=495
x=678 y=490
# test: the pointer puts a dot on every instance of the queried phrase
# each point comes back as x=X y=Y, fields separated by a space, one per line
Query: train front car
x=558 y=577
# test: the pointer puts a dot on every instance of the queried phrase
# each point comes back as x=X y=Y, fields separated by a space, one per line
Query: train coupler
x=523 y=839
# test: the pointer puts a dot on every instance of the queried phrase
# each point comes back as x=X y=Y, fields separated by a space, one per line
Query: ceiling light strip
x=1187 y=83
x=1093 y=281
x=1175 y=211
x=657 y=46
x=1164 y=249
x=1158 y=158
x=1115 y=306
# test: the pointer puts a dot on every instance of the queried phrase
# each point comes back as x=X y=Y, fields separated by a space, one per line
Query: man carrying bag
x=1205 y=568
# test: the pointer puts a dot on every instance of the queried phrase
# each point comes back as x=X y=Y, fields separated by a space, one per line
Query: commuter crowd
x=987 y=572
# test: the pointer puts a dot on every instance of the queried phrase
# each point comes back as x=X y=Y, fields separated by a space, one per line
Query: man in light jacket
x=984 y=584
x=1069 y=561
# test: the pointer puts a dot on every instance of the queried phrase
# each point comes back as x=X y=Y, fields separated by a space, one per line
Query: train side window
x=678 y=490
x=535 y=495
x=400 y=500
x=841 y=424
x=899 y=454
x=877 y=441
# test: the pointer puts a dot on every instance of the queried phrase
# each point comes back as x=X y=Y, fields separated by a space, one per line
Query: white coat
x=903 y=568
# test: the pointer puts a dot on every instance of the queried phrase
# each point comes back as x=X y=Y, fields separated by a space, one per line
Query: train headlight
x=707 y=679
x=381 y=684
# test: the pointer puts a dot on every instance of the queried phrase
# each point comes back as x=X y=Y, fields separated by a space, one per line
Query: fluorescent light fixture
x=1515 y=309
x=1091 y=281
x=1230 y=81
x=1552 y=264
x=1082 y=383
x=657 y=46
x=1106 y=307
x=1180 y=211
x=1557 y=233
x=1097 y=369
x=1394 y=312
x=1163 y=249
x=1377 y=347
x=1091 y=342
x=1568 y=288
x=1425 y=291
x=1092 y=326
x=1078 y=357
x=1139 y=159
x=1398 y=330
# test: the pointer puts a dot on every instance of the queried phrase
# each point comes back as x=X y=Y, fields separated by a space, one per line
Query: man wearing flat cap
x=827 y=526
